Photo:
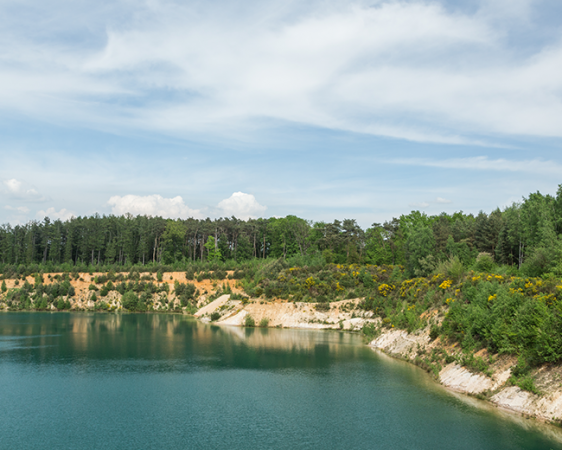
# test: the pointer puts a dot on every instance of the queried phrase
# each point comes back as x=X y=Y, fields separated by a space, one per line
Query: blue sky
x=324 y=109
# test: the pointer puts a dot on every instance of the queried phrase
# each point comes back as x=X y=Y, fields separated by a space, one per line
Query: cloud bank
x=152 y=205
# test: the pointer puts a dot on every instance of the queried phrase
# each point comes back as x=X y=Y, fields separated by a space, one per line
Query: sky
x=324 y=109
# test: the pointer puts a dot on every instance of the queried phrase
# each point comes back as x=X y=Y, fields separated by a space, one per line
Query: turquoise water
x=101 y=381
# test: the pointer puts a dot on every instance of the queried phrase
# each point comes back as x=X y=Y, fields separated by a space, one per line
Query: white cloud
x=152 y=205
x=409 y=69
x=442 y=200
x=20 y=190
x=484 y=163
x=241 y=205
x=52 y=213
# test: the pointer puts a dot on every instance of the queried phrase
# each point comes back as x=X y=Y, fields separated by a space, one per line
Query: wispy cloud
x=484 y=163
x=18 y=209
x=406 y=69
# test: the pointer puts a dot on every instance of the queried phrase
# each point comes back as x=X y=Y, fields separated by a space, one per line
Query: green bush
x=264 y=322
x=215 y=316
x=484 y=263
x=434 y=331
x=322 y=307
x=129 y=301
x=249 y=321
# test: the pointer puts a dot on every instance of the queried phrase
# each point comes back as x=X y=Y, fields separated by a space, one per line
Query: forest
x=525 y=237
x=493 y=278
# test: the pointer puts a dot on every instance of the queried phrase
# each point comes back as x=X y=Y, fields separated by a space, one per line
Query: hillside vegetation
x=487 y=282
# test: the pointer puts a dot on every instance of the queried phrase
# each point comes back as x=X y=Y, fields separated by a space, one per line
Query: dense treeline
x=525 y=235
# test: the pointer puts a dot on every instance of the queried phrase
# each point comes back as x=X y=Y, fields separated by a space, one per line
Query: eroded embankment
x=418 y=348
x=493 y=385
x=342 y=315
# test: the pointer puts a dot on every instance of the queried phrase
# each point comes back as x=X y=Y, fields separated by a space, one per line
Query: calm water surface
x=100 y=381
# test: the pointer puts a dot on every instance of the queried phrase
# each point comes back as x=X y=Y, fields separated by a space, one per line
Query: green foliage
x=130 y=301
x=249 y=321
x=238 y=296
x=484 y=263
x=434 y=331
x=101 y=306
x=452 y=267
x=370 y=331
x=213 y=252
x=420 y=247
x=215 y=316
x=264 y=322
x=322 y=306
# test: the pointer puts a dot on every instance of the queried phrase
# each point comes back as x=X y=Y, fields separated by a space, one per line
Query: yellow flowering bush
x=309 y=282
x=385 y=289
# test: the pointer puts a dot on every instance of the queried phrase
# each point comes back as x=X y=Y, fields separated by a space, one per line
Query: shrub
x=452 y=267
x=129 y=301
x=526 y=383
x=215 y=316
x=434 y=332
x=238 y=296
x=249 y=321
x=264 y=322
x=484 y=262
x=322 y=306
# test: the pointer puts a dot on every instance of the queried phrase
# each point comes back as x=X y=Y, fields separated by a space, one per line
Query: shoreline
x=416 y=348
x=413 y=348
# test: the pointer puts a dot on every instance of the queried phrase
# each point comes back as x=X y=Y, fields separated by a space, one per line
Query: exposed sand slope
x=547 y=406
x=211 y=307
x=290 y=315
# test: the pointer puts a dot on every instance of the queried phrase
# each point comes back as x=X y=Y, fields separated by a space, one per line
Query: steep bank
x=490 y=383
x=493 y=385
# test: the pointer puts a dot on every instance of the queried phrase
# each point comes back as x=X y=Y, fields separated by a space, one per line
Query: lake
x=134 y=381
